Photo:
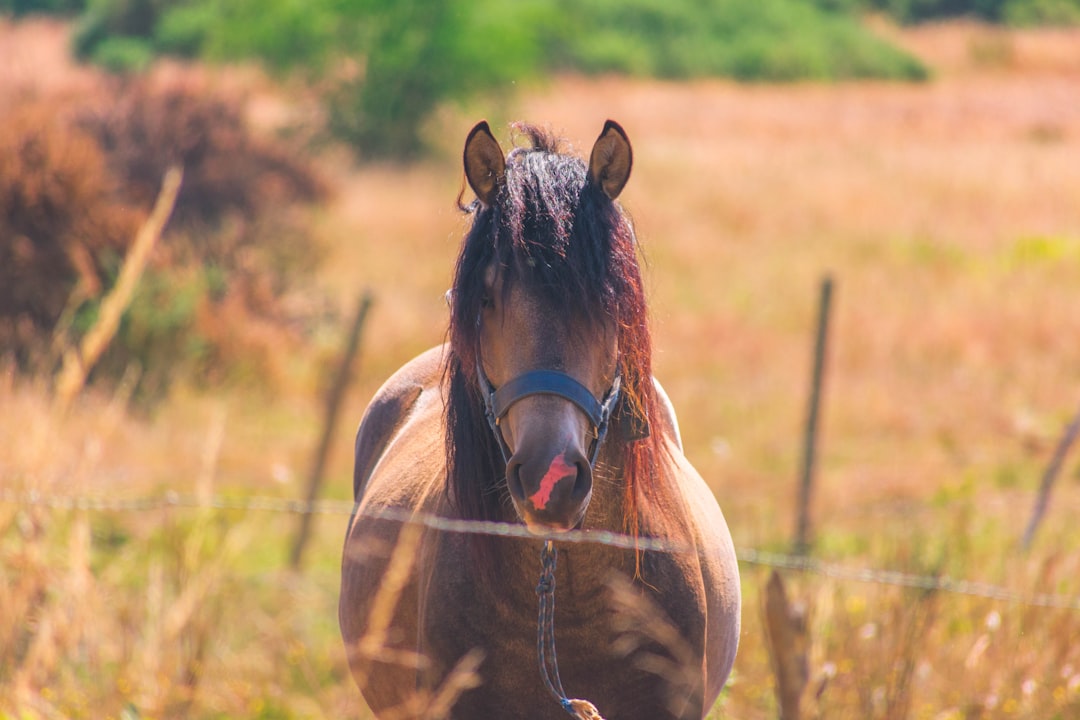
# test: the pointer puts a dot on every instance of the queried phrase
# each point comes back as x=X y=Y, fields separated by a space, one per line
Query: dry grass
x=949 y=215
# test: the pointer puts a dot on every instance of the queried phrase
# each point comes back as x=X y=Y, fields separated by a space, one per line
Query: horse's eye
x=487 y=302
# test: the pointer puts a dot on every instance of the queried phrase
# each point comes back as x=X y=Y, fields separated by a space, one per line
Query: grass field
x=948 y=214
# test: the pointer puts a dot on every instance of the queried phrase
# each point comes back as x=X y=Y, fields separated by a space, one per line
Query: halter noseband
x=497 y=402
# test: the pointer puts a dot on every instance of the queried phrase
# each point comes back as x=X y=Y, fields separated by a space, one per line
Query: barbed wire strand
x=750 y=556
x=326 y=507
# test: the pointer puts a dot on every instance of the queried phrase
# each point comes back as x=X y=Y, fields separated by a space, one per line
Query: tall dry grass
x=169 y=613
x=948 y=213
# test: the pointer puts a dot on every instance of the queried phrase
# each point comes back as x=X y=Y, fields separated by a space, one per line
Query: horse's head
x=545 y=290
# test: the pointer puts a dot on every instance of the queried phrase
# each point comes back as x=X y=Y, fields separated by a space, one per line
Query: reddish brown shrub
x=62 y=224
x=73 y=192
x=228 y=172
x=235 y=211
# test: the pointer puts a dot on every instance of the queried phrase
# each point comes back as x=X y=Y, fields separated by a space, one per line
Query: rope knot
x=582 y=709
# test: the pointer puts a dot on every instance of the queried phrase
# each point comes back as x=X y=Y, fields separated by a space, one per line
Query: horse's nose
x=550 y=490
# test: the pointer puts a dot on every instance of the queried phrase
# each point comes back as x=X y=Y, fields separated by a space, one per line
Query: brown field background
x=948 y=215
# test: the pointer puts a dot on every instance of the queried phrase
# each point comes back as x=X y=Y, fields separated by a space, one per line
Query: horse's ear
x=485 y=165
x=611 y=159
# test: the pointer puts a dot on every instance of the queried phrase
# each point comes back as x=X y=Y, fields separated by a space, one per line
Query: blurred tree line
x=1010 y=12
x=386 y=65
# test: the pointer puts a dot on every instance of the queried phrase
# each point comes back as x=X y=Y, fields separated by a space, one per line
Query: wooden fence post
x=802 y=529
x=789 y=643
x=1043 y=499
x=333 y=406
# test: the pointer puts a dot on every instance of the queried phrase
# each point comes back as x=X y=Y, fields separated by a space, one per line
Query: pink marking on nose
x=559 y=469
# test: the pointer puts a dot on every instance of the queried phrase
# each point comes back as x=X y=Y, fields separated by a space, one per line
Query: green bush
x=284 y=34
x=420 y=54
x=104 y=20
x=1042 y=12
x=27 y=7
x=123 y=55
x=158 y=333
x=1012 y=12
x=913 y=11
x=184 y=29
x=763 y=40
x=137 y=30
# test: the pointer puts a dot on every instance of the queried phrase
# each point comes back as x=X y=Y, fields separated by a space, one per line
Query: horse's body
x=458 y=592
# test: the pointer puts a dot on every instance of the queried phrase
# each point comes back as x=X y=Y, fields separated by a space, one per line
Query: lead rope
x=545 y=639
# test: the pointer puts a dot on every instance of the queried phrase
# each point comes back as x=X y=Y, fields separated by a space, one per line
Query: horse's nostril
x=583 y=481
x=513 y=481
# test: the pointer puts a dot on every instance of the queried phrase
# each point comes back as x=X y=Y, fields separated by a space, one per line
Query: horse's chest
x=498 y=615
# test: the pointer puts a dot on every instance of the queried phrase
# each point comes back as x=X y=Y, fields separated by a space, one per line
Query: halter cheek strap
x=497 y=402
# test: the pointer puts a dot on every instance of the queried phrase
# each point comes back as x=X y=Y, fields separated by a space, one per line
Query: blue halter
x=497 y=402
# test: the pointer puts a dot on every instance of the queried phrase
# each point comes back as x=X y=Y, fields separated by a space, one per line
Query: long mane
x=581 y=252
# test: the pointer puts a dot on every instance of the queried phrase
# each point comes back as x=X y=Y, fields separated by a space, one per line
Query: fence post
x=802 y=530
x=333 y=406
x=1043 y=499
x=789 y=643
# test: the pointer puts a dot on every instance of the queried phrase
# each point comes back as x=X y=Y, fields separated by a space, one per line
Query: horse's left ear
x=485 y=165
x=611 y=159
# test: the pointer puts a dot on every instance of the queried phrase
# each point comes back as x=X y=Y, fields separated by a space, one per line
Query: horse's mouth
x=545 y=529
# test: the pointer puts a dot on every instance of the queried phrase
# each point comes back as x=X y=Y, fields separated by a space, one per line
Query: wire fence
x=750 y=556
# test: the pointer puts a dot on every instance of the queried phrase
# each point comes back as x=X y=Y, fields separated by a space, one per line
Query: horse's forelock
x=539 y=139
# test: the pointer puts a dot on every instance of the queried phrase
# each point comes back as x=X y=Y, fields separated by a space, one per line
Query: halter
x=497 y=402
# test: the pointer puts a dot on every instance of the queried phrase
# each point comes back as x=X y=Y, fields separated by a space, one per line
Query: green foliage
x=417 y=55
x=56 y=7
x=123 y=54
x=116 y=33
x=284 y=34
x=1042 y=12
x=123 y=35
x=157 y=335
x=913 y=11
x=1012 y=12
x=765 y=40
x=184 y=29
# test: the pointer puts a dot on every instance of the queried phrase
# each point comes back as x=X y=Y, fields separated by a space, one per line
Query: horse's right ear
x=485 y=164
x=611 y=160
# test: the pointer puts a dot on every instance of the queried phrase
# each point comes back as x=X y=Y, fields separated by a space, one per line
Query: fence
x=750 y=556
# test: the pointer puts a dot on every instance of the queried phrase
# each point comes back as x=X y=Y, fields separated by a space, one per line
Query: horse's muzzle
x=549 y=493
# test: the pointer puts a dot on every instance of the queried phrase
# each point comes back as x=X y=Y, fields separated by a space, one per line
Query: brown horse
x=540 y=410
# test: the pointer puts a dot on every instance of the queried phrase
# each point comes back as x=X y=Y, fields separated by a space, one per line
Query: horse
x=539 y=410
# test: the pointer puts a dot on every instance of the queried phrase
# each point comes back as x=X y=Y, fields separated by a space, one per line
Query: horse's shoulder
x=716 y=554
x=391 y=407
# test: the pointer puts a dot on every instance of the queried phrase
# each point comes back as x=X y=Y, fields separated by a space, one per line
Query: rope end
x=582 y=709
